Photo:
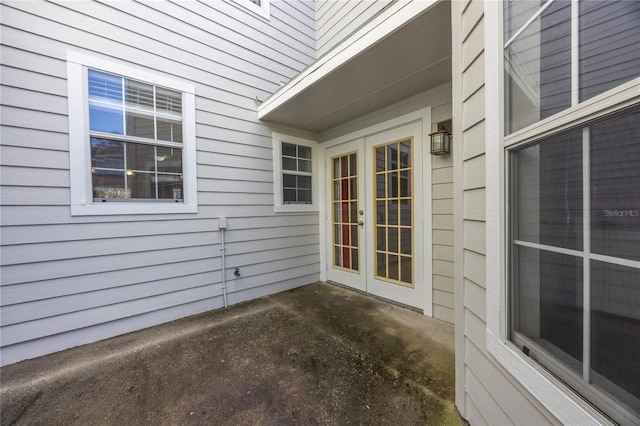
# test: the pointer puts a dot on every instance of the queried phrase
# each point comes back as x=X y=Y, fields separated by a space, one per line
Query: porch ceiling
x=403 y=51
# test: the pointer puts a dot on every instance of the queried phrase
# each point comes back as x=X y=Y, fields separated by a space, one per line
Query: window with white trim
x=295 y=178
x=259 y=7
x=572 y=119
x=132 y=141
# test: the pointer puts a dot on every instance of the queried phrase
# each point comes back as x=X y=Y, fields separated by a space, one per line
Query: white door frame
x=422 y=116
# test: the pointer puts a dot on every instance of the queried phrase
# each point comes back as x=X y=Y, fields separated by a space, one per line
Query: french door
x=374 y=219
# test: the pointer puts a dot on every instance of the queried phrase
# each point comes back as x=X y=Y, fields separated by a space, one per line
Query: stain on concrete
x=316 y=355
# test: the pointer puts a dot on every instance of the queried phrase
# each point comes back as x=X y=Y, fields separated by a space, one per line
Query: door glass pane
x=615 y=186
x=380 y=185
x=381 y=238
x=405 y=241
x=394 y=267
x=393 y=212
x=346 y=238
x=405 y=269
x=615 y=330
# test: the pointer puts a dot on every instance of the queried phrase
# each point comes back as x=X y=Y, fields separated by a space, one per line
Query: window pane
x=109 y=184
x=169 y=159
x=107 y=154
x=289 y=181
x=141 y=157
x=168 y=101
x=289 y=164
x=105 y=87
x=141 y=185
x=288 y=149
x=615 y=331
x=139 y=95
x=304 y=196
x=169 y=187
x=547 y=295
x=615 y=186
x=289 y=195
x=548 y=191
x=304 y=152
x=169 y=130
x=609 y=40
x=105 y=119
x=140 y=125
x=517 y=13
x=538 y=68
x=304 y=165
x=304 y=182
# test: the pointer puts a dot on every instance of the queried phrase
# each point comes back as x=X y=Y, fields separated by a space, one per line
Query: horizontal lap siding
x=337 y=19
x=72 y=280
x=442 y=214
x=491 y=395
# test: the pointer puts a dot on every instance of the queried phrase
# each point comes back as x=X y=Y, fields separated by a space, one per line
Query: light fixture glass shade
x=440 y=142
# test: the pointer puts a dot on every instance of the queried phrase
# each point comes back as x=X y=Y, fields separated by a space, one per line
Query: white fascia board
x=392 y=18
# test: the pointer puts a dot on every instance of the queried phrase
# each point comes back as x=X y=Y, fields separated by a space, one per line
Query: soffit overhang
x=403 y=51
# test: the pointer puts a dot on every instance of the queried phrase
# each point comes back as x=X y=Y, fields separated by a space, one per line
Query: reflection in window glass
x=538 y=54
x=538 y=68
x=123 y=170
x=550 y=191
x=609 y=45
x=615 y=327
x=550 y=293
x=615 y=186
x=548 y=302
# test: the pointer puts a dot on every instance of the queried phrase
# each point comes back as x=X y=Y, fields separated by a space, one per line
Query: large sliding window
x=574 y=194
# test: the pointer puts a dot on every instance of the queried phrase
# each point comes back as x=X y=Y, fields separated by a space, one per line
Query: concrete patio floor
x=320 y=354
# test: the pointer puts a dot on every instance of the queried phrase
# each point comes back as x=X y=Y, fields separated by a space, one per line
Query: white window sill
x=124 y=208
x=296 y=208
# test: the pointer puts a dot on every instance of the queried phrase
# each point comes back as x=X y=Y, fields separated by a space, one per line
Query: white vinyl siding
x=69 y=280
x=336 y=19
x=485 y=392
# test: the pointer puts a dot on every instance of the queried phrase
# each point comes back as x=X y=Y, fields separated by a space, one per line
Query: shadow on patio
x=319 y=354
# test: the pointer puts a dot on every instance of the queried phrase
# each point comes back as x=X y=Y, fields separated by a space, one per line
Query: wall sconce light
x=441 y=139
